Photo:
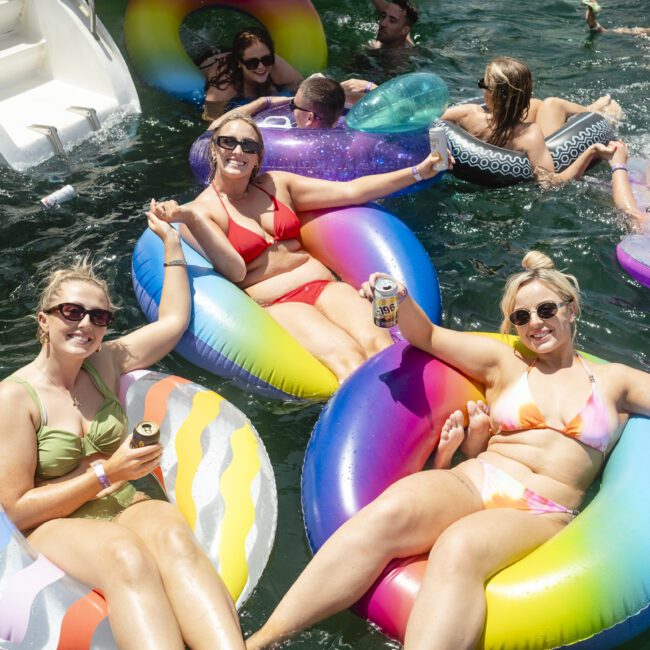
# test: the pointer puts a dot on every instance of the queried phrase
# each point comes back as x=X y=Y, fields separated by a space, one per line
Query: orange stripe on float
x=81 y=621
x=155 y=406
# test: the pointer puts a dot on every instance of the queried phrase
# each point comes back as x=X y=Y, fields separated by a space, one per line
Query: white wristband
x=102 y=477
x=416 y=173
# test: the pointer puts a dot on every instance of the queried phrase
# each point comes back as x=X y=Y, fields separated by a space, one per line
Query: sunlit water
x=475 y=237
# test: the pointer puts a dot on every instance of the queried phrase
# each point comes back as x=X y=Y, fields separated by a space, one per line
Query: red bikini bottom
x=307 y=293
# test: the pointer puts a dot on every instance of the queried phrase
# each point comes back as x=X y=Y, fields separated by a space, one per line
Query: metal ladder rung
x=52 y=133
x=89 y=113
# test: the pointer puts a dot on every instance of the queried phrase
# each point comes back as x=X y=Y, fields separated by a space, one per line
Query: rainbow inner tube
x=310 y=152
x=587 y=587
x=485 y=164
x=633 y=251
x=152 y=39
x=214 y=468
x=233 y=337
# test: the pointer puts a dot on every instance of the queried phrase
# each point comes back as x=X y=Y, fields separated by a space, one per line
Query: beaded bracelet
x=416 y=173
x=268 y=103
x=102 y=477
x=616 y=166
x=175 y=263
x=368 y=87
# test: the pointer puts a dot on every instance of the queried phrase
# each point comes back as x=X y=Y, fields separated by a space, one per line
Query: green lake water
x=475 y=237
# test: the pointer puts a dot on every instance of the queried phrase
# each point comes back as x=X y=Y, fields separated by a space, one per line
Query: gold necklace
x=75 y=402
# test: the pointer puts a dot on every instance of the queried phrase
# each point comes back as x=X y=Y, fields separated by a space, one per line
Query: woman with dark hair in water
x=251 y=69
x=512 y=119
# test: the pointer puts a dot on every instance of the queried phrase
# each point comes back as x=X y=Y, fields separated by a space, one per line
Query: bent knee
x=344 y=359
x=458 y=550
x=392 y=516
x=177 y=543
x=126 y=559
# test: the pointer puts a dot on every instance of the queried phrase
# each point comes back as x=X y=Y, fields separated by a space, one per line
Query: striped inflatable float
x=587 y=587
x=214 y=468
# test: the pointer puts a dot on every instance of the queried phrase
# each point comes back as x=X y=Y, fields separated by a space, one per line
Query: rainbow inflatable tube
x=214 y=468
x=311 y=152
x=633 y=251
x=233 y=337
x=152 y=39
x=588 y=587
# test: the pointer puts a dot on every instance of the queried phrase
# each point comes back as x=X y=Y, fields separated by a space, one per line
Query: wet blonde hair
x=510 y=85
x=236 y=117
x=538 y=267
x=81 y=270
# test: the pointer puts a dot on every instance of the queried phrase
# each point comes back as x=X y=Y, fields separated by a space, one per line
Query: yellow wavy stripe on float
x=239 y=516
x=205 y=408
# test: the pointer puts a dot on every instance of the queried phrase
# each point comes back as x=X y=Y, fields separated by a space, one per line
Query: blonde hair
x=538 y=267
x=236 y=117
x=511 y=87
x=81 y=270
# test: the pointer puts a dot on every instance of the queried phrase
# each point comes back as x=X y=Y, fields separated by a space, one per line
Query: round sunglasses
x=545 y=310
x=253 y=63
x=73 y=312
x=230 y=143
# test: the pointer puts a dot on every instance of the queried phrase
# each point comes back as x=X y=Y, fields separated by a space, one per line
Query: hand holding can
x=145 y=433
x=438 y=144
x=385 y=302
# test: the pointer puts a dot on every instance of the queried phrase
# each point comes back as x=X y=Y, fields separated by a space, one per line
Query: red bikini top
x=249 y=244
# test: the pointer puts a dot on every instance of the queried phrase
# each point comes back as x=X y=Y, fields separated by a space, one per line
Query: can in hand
x=384 y=303
x=66 y=193
x=438 y=144
x=145 y=433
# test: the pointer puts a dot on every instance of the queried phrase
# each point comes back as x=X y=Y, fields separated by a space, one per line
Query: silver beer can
x=145 y=433
x=438 y=144
x=66 y=193
x=384 y=303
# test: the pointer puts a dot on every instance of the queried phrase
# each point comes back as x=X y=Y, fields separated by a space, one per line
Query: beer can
x=384 y=303
x=438 y=144
x=145 y=433
x=66 y=193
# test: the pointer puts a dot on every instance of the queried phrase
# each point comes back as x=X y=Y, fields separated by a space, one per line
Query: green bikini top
x=59 y=452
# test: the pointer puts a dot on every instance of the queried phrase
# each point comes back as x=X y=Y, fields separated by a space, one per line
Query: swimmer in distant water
x=590 y=16
x=397 y=17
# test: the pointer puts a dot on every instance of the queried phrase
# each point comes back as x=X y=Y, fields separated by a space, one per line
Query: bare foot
x=451 y=437
x=608 y=107
x=478 y=430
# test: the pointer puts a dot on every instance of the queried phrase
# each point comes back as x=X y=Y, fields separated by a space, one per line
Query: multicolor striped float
x=233 y=337
x=216 y=470
x=152 y=39
x=588 y=587
x=633 y=251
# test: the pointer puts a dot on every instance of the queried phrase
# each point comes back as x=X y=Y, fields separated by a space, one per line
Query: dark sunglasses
x=293 y=107
x=75 y=313
x=230 y=143
x=544 y=310
x=481 y=84
x=252 y=64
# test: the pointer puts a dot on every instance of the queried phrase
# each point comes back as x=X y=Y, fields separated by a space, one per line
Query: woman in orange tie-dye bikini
x=552 y=423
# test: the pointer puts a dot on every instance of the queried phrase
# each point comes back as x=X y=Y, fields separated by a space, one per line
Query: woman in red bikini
x=246 y=225
x=553 y=423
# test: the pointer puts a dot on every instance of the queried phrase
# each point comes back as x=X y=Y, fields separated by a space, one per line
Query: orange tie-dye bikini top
x=516 y=410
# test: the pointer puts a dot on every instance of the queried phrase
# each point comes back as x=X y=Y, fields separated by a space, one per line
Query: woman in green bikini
x=70 y=481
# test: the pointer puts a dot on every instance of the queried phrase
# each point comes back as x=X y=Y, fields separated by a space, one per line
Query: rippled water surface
x=475 y=237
